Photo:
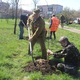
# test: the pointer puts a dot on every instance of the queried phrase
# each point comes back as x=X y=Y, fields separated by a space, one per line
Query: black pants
x=53 y=34
x=67 y=68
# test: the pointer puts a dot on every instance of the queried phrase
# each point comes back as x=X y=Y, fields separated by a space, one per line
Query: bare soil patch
x=44 y=66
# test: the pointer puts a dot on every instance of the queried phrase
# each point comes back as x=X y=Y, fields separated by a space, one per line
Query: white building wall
x=48 y=10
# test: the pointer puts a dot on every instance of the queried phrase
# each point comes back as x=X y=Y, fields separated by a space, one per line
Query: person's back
x=55 y=23
x=23 y=20
x=54 y=26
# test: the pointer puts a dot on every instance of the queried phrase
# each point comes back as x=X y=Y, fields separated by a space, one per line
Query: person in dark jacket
x=62 y=18
x=70 y=54
x=22 y=24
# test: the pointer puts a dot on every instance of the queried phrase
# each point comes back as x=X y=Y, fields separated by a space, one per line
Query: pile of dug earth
x=44 y=66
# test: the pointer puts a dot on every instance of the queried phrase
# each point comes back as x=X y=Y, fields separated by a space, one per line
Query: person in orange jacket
x=54 y=26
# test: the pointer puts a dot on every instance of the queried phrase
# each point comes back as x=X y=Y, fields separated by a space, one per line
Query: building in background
x=7 y=11
x=4 y=8
x=0 y=0
x=48 y=10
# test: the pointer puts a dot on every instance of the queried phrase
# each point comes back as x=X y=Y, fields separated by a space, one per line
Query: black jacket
x=23 y=20
x=71 y=55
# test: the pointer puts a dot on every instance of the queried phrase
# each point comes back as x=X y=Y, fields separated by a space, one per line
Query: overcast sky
x=28 y=4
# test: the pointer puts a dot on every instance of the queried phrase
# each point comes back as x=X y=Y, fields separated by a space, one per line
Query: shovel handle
x=31 y=46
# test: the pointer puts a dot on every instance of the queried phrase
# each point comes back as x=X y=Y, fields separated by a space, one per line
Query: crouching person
x=70 y=54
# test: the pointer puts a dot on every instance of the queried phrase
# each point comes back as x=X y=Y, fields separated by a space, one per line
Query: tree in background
x=70 y=15
x=16 y=6
x=35 y=3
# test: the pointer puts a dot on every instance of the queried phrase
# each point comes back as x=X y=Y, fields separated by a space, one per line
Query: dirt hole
x=45 y=66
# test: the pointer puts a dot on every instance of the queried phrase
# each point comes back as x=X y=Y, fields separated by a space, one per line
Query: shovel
x=31 y=46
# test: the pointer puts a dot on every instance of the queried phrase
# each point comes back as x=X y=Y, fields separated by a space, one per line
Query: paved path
x=69 y=29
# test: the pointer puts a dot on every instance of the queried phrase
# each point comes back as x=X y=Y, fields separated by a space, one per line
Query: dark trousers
x=67 y=68
x=53 y=34
x=21 y=32
x=62 y=25
x=42 y=44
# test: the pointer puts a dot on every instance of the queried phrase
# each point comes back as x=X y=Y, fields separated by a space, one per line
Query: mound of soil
x=45 y=66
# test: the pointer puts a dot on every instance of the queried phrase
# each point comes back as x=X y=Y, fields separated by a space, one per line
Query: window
x=50 y=8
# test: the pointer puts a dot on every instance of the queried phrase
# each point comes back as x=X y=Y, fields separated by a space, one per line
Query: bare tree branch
x=35 y=3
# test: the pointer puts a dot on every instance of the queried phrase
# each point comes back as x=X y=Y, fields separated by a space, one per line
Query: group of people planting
x=69 y=52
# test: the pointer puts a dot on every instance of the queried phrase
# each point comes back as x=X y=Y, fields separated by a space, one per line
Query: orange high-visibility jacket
x=55 y=24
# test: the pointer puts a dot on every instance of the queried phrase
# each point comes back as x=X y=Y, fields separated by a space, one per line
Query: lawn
x=74 y=25
x=13 y=53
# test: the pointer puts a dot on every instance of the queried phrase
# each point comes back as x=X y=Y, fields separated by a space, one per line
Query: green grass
x=77 y=26
x=13 y=54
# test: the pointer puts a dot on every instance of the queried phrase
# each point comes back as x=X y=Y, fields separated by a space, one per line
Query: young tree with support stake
x=16 y=2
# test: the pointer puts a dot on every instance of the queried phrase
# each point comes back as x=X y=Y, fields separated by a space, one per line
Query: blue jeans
x=21 y=32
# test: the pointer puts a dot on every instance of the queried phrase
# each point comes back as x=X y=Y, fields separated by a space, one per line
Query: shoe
x=21 y=38
x=29 y=54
